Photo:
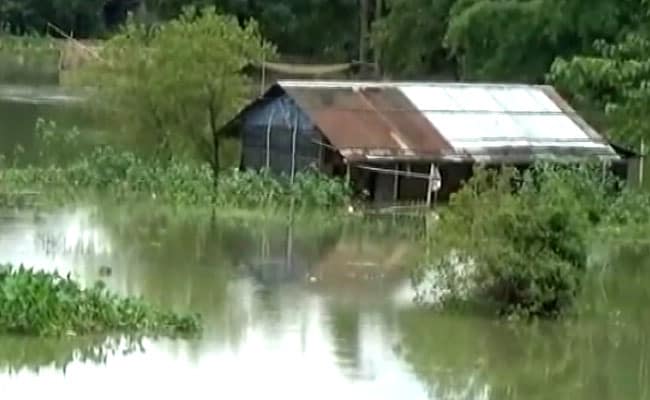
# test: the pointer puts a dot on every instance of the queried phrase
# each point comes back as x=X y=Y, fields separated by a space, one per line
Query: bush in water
x=517 y=242
x=46 y=304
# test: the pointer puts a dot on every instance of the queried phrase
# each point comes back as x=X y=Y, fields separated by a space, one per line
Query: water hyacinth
x=47 y=304
x=122 y=175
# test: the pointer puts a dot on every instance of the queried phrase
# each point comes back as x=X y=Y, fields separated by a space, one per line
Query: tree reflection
x=19 y=354
x=601 y=354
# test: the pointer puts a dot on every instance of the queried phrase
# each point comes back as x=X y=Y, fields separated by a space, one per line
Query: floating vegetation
x=70 y=171
x=47 y=304
x=123 y=176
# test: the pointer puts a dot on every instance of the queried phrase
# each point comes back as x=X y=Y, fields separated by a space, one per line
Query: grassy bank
x=45 y=304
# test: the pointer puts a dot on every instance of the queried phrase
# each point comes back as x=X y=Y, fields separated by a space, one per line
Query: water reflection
x=307 y=309
x=291 y=304
x=19 y=354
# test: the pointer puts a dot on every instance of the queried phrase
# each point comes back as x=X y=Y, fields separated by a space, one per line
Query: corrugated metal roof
x=378 y=120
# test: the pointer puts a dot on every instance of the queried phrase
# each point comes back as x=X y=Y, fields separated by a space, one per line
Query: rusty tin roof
x=446 y=121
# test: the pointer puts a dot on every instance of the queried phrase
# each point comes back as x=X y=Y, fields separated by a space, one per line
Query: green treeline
x=595 y=51
x=473 y=39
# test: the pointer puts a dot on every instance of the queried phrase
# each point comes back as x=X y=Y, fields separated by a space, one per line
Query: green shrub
x=516 y=242
x=46 y=304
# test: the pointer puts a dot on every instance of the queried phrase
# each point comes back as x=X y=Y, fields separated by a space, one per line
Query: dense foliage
x=46 y=304
x=295 y=24
x=476 y=39
x=518 y=242
x=80 y=17
x=614 y=82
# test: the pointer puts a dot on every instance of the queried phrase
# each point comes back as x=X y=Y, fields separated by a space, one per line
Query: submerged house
x=413 y=141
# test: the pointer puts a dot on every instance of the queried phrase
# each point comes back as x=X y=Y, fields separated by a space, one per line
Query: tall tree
x=174 y=85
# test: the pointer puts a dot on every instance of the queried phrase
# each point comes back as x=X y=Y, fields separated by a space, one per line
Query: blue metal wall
x=281 y=114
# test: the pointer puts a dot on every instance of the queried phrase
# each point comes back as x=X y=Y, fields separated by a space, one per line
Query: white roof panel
x=497 y=116
x=471 y=98
x=430 y=98
x=524 y=100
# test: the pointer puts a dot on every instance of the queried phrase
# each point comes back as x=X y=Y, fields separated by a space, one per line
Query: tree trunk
x=215 y=159
x=215 y=142
x=379 y=8
x=363 y=36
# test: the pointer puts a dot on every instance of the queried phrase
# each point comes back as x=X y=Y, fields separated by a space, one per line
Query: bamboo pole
x=268 y=139
x=293 y=149
x=642 y=162
x=405 y=174
x=432 y=171
x=75 y=41
x=396 y=183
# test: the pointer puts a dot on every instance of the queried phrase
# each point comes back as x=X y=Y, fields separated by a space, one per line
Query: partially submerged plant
x=522 y=239
x=47 y=304
x=122 y=175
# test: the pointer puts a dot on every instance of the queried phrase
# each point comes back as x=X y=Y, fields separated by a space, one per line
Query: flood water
x=301 y=310
x=296 y=309
x=21 y=105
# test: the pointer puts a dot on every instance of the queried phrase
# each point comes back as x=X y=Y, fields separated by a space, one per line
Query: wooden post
x=320 y=156
x=642 y=162
x=396 y=184
x=432 y=171
x=293 y=148
x=268 y=139
x=347 y=173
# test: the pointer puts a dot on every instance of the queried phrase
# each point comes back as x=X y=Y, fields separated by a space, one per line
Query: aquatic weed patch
x=47 y=304
x=124 y=176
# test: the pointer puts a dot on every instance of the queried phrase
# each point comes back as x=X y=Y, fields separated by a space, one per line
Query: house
x=412 y=141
